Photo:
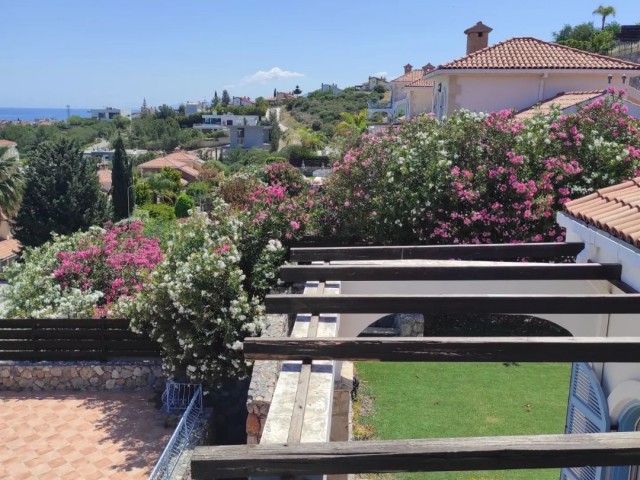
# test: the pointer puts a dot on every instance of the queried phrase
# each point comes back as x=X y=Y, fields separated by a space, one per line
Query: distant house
x=242 y=102
x=372 y=83
x=250 y=136
x=411 y=95
x=9 y=247
x=521 y=72
x=109 y=113
x=219 y=122
x=191 y=108
x=104 y=177
x=187 y=164
x=11 y=146
x=101 y=154
x=333 y=88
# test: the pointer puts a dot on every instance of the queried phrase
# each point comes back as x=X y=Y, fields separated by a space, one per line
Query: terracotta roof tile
x=104 y=177
x=412 y=76
x=9 y=248
x=421 y=83
x=614 y=209
x=7 y=143
x=562 y=100
x=531 y=53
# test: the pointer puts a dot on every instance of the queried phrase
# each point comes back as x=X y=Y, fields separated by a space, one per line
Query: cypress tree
x=122 y=195
x=216 y=100
x=62 y=194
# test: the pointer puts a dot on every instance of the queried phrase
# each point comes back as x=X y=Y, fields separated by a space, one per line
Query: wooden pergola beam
x=524 y=271
x=454 y=304
x=447 y=349
x=432 y=455
x=497 y=252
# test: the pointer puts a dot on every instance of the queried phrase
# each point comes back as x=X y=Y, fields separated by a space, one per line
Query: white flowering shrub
x=195 y=305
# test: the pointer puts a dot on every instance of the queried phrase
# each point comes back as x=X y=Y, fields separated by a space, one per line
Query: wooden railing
x=71 y=339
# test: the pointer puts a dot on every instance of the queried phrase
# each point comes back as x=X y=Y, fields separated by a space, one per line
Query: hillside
x=321 y=110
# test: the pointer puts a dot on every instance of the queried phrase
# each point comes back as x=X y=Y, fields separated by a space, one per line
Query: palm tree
x=11 y=183
x=352 y=123
x=605 y=12
x=311 y=140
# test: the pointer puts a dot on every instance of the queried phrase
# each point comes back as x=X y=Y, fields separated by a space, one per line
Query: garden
x=198 y=281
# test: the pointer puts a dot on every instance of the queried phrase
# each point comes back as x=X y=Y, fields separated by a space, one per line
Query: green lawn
x=422 y=400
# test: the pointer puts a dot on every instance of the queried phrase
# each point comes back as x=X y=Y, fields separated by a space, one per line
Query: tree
x=182 y=110
x=216 y=100
x=226 y=99
x=276 y=131
x=11 y=183
x=311 y=140
x=584 y=36
x=165 y=111
x=62 y=194
x=297 y=91
x=275 y=93
x=604 y=12
x=122 y=195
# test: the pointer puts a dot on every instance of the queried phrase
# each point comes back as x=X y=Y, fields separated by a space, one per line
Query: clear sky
x=94 y=53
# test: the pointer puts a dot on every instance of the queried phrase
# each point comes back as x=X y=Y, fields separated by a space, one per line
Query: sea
x=32 y=114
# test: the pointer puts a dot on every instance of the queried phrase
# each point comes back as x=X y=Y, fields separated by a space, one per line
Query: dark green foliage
x=316 y=126
x=238 y=158
x=379 y=89
x=160 y=211
x=226 y=99
x=183 y=205
x=325 y=108
x=165 y=111
x=153 y=133
x=216 y=100
x=122 y=195
x=62 y=194
x=296 y=152
x=297 y=91
x=276 y=132
x=190 y=120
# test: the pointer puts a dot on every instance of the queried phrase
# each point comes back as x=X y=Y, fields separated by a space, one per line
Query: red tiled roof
x=614 y=209
x=7 y=143
x=412 y=76
x=9 y=248
x=104 y=177
x=562 y=100
x=531 y=53
x=421 y=83
x=173 y=160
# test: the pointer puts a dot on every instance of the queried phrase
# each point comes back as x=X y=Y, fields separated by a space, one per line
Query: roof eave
x=492 y=71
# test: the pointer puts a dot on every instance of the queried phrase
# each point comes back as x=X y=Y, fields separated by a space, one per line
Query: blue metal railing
x=179 y=397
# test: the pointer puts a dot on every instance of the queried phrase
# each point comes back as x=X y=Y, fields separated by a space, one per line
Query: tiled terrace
x=79 y=435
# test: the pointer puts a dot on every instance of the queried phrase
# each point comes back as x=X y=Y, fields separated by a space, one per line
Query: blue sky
x=90 y=53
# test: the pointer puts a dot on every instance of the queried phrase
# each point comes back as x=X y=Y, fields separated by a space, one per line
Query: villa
x=187 y=164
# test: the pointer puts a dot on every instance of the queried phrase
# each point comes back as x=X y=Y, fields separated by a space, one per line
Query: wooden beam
x=447 y=349
x=453 y=304
x=432 y=455
x=509 y=251
x=524 y=271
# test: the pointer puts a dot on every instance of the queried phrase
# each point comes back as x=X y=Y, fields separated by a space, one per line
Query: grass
x=426 y=400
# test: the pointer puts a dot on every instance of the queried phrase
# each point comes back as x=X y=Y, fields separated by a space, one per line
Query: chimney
x=407 y=68
x=477 y=37
x=427 y=68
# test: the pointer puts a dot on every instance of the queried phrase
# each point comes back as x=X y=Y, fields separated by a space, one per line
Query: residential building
x=11 y=146
x=187 y=164
x=242 y=102
x=104 y=177
x=411 y=95
x=333 y=88
x=226 y=120
x=9 y=247
x=521 y=72
x=250 y=136
x=192 y=107
x=102 y=153
x=372 y=83
x=109 y=113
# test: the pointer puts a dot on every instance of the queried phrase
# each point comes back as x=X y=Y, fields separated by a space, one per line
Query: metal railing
x=179 y=397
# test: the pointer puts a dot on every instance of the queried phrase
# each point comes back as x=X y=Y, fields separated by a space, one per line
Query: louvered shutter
x=586 y=413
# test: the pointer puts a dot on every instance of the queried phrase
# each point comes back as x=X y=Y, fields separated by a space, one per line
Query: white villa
x=224 y=121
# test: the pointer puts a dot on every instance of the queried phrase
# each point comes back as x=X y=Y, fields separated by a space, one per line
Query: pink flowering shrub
x=115 y=262
x=478 y=178
x=82 y=275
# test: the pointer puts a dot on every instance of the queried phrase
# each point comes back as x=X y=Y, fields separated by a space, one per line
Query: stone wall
x=263 y=382
x=409 y=324
x=78 y=376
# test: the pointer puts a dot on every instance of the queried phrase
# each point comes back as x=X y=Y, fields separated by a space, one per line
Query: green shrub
x=160 y=211
x=184 y=204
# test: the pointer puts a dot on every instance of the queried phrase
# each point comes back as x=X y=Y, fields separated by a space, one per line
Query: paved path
x=79 y=435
